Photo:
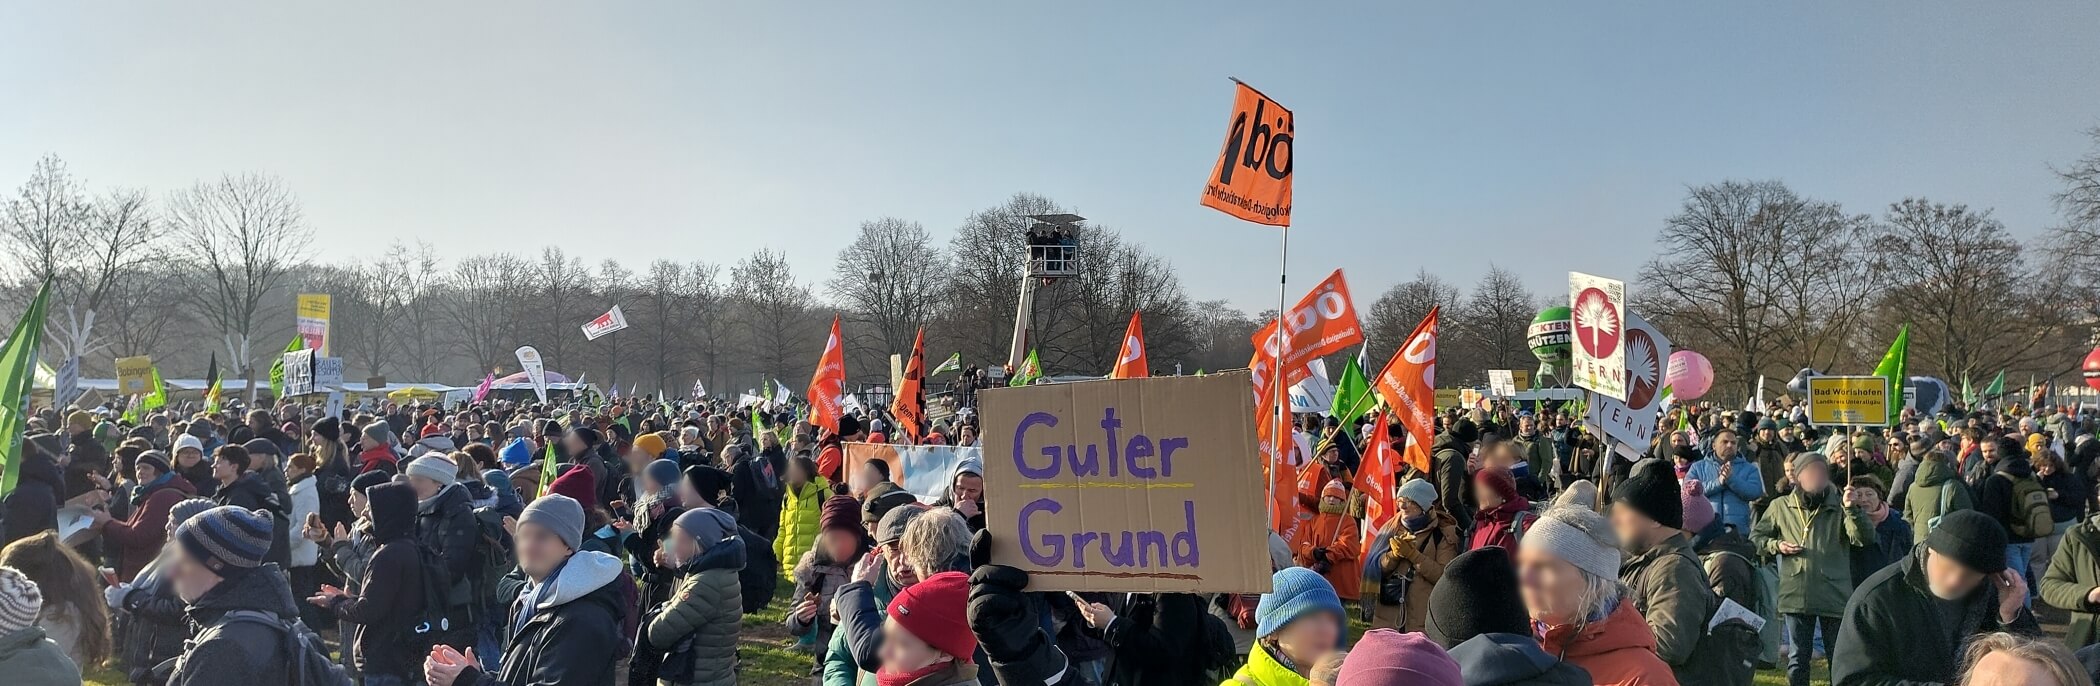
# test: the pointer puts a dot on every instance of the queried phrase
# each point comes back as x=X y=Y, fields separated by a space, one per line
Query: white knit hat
x=20 y=601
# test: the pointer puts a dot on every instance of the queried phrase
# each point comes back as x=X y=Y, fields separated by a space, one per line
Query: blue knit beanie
x=517 y=452
x=1298 y=592
x=664 y=472
x=226 y=539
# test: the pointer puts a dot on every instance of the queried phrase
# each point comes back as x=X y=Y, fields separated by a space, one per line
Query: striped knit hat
x=20 y=601
x=227 y=539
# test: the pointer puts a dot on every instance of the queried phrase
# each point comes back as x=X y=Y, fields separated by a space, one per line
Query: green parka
x=1819 y=579
x=2073 y=573
x=703 y=617
x=1936 y=491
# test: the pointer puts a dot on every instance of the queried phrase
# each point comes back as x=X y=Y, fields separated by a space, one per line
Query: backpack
x=493 y=552
x=308 y=663
x=1725 y=655
x=431 y=621
x=760 y=575
x=1946 y=502
x=2031 y=517
x=1220 y=658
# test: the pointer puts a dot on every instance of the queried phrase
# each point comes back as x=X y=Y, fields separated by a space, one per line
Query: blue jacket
x=1732 y=499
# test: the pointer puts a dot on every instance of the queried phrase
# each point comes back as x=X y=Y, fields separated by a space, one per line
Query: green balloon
x=1549 y=335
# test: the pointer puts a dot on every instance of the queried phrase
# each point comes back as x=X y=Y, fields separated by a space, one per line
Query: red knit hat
x=936 y=611
x=841 y=512
x=577 y=483
x=1499 y=481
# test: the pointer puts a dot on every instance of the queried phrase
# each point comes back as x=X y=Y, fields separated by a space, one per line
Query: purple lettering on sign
x=1116 y=548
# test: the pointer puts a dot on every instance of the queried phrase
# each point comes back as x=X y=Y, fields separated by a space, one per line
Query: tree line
x=1758 y=277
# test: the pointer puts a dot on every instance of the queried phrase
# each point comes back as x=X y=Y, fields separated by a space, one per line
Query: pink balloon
x=1690 y=375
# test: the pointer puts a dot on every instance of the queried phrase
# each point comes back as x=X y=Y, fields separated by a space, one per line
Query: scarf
x=1879 y=514
x=888 y=677
x=1416 y=524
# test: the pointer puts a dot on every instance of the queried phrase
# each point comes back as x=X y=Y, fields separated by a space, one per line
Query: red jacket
x=1497 y=525
x=1617 y=651
x=140 y=538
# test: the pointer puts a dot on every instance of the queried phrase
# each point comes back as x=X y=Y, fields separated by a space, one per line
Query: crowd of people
x=595 y=543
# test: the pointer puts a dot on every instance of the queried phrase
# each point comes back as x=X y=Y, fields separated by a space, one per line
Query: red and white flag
x=612 y=320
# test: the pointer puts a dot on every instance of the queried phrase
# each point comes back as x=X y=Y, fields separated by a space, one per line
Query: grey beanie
x=1419 y=491
x=435 y=468
x=891 y=528
x=1805 y=458
x=706 y=525
x=1578 y=536
x=559 y=514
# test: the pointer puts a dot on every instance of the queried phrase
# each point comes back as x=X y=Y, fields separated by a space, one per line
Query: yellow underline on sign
x=1112 y=484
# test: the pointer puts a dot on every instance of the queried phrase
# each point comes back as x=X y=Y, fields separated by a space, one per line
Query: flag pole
x=1283 y=337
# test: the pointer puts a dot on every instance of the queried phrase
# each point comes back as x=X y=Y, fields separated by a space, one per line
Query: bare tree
x=82 y=245
x=888 y=281
x=418 y=278
x=2076 y=243
x=1397 y=312
x=773 y=313
x=245 y=233
x=144 y=310
x=562 y=285
x=1757 y=278
x=614 y=284
x=484 y=301
x=1224 y=337
x=1080 y=321
x=1961 y=281
x=1491 y=334
x=706 y=308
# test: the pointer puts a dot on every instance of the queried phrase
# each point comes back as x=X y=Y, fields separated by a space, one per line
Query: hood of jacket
x=444 y=499
x=251 y=483
x=172 y=481
x=41 y=469
x=1495 y=659
x=727 y=553
x=393 y=512
x=584 y=573
x=1679 y=541
x=2015 y=466
x=1621 y=630
x=1933 y=472
x=261 y=589
x=440 y=444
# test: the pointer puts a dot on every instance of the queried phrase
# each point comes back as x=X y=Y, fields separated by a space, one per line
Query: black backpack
x=761 y=573
x=308 y=662
x=493 y=553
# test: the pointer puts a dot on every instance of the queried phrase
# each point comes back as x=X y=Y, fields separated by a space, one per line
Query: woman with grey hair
x=2002 y=658
x=1568 y=573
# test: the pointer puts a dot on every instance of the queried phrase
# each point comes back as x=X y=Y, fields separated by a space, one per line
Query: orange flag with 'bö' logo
x=1252 y=179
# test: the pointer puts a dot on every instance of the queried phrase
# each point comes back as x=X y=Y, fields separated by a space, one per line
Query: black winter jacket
x=253 y=492
x=242 y=652
x=1513 y=660
x=1891 y=634
x=576 y=632
x=32 y=507
x=391 y=590
x=446 y=529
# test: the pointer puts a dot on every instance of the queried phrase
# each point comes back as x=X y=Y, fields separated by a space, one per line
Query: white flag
x=529 y=358
x=612 y=320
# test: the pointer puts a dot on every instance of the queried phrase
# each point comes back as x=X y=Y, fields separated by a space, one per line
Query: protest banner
x=1142 y=485
x=334 y=408
x=66 y=385
x=1632 y=421
x=1598 y=305
x=612 y=320
x=328 y=372
x=1848 y=401
x=925 y=470
x=299 y=372
x=1314 y=395
x=535 y=371
x=1252 y=179
x=314 y=320
x=134 y=375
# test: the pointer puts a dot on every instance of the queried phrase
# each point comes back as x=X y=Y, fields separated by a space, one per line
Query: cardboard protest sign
x=299 y=372
x=922 y=469
x=1848 y=401
x=1142 y=485
x=1632 y=421
x=1501 y=383
x=1252 y=179
x=1598 y=307
x=66 y=386
x=134 y=375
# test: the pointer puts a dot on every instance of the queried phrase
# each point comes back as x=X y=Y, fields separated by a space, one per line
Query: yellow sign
x=1848 y=401
x=1447 y=398
x=313 y=321
x=1522 y=377
x=134 y=375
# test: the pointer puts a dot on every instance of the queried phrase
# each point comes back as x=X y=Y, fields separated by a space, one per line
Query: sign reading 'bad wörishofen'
x=1127 y=485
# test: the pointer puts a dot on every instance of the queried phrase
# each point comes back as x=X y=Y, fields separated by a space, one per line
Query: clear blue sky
x=1541 y=136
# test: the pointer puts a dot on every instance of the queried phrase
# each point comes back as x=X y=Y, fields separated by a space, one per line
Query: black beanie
x=369 y=479
x=848 y=425
x=329 y=428
x=1477 y=595
x=1652 y=490
x=1972 y=538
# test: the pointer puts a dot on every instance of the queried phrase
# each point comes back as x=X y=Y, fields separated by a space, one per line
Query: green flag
x=1997 y=386
x=1892 y=368
x=277 y=368
x=953 y=363
x=159 y=397
x=17 y=376
x=1031 y=369
x=547 y=471
x=1968 y=395
x=1352 y=396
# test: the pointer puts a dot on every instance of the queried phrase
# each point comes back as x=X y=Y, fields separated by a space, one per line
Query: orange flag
x=1130 y=364
x=1322 y=323
x=1252 y=179
x=1375 y=479
x=910 y=405
x=828 y=384
x=1407 y=384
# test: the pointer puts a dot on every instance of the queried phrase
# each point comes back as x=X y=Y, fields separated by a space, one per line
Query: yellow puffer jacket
x=1263 y=670
x=799 y=513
